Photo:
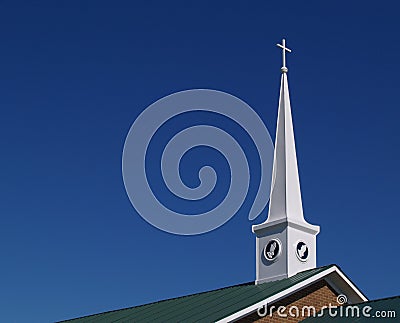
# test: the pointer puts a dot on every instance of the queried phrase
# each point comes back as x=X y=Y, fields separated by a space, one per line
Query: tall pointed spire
x=285 y=200
x=285 y=231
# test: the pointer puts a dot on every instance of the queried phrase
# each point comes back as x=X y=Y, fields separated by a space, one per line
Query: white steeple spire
x=285 y=231
x=285 y=200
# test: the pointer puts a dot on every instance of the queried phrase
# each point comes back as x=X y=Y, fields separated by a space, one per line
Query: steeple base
x=283 y=249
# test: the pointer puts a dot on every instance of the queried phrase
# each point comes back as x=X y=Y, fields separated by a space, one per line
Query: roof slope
x=202 y=307
x=380 y=310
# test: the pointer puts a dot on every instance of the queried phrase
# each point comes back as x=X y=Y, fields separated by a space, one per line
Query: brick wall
x=318 y=295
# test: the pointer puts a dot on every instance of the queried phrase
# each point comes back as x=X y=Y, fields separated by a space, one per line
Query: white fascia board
x=342 y=284
x=274 y=298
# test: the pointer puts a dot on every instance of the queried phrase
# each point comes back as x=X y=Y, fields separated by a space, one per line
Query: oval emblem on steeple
x=302 y=251
x=272 y=250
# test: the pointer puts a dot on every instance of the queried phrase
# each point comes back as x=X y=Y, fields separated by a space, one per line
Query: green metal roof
x=202 y=307
x=380 y=310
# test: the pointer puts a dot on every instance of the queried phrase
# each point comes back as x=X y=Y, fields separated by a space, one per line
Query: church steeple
x=286 y=243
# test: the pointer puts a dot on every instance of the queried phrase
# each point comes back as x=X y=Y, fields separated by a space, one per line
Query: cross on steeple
x=284 y=50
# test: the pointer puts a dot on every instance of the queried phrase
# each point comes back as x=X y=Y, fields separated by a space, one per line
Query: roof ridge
x=159 y=301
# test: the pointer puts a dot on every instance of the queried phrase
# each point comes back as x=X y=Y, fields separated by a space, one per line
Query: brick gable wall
x=318 y=295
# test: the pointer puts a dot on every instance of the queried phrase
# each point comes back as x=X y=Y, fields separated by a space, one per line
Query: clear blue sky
x=74 y=75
